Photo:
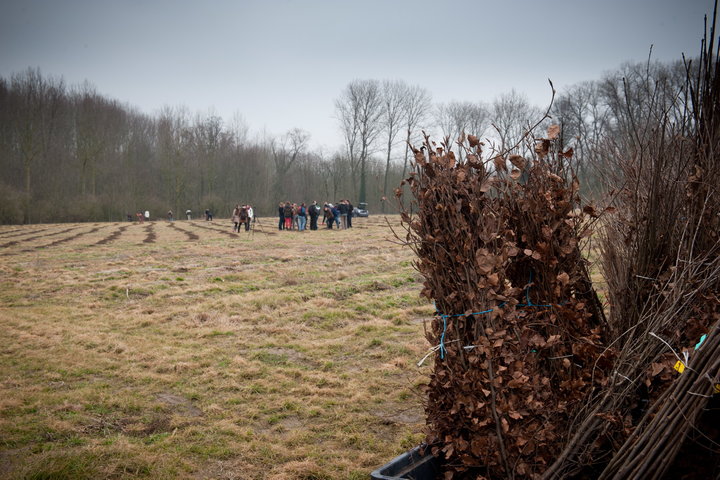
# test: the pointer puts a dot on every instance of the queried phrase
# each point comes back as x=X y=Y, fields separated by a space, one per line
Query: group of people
x=242 y=215
x=140 y=216
x=292 y=216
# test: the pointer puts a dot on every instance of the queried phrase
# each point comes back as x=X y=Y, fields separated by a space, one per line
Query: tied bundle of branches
x=519 y=333
x=661 y=260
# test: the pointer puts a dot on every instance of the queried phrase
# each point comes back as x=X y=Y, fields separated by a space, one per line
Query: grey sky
x=281 y=64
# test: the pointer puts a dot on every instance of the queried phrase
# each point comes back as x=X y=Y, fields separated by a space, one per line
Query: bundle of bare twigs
x=661 y=254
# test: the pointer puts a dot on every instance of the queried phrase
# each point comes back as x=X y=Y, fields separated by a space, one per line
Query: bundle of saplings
x=530 y=379
x=659 y=413
x=519 y=333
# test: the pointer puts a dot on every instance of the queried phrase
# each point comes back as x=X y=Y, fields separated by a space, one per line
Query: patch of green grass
x=64 y=467
x=272 y=358
x=155 y=438
x=219 y=333
x=238 y=289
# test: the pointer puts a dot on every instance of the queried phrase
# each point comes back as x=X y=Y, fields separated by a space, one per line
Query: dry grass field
x=184 y=350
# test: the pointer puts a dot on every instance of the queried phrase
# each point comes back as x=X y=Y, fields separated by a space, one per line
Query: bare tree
x=285 y=153
x=175 y=139
x=455 y=118
x=93 y=134
x=583 y=120
x=34 y=122
x=359 y=110
x=208 y=136
x=394 y=99
x=417 y=107
x=511 y=114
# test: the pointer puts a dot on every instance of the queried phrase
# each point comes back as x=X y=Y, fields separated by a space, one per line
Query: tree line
x=68 y=153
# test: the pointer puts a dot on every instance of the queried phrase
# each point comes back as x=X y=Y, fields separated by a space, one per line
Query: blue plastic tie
x=529 y=303
x=527 y=296
x=445 y=317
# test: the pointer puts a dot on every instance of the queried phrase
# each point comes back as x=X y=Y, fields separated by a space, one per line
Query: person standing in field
x=336 y=215
x=302 y=217
x=188 y=214
x=314 y=212
x=244 y=218
x=288 y=213
x=281 y=216
x=296 y=216
x=350 y=213
x=328 y=216
x=170 y=215
x=251 y=215
x=236 y=218
x=342 y=209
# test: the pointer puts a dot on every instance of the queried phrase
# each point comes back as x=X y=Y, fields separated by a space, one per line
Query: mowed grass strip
x=253 y=356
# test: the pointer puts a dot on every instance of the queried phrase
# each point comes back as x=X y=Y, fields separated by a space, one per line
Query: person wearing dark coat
x=350 y=213
x=314 y=212
x=328 y=216
x=342 y=210
x=281 y=215
x=336 y=215
x=288 y=214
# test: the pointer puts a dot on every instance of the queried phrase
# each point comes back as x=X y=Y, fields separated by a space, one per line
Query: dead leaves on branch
x=500 y=247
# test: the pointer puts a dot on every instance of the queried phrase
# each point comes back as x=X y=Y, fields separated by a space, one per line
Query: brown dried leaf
x=656 y=368
x=473 y=140
x=542 y=147
x=518 y=161
x=590 y=210
x=563 y=278
x=552 y=340
x=515 y=174
x=485 y=261
x=500 y=164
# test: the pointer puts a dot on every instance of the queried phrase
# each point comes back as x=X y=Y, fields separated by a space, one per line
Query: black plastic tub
x=409 y=466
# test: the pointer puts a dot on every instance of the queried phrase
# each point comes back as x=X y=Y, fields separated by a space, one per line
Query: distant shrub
x=10 y=205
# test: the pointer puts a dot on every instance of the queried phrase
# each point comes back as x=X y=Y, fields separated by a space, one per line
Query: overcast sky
x=282 y=63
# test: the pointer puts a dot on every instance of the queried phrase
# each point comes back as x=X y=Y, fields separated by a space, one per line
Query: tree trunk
x=387 y=170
